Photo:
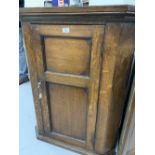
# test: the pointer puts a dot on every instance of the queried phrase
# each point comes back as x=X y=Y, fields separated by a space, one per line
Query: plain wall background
x=111 y=2
x=34 y=3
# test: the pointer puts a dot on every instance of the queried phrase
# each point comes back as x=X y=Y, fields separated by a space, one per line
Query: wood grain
x=79 y=15
x=97 y=43
x=67 y=79
x=33 y=74
x=76 y=64
x=117 y=59
x=67 y=55
x=68 y=114
x=75 y=31
x=39 y=55
x=79 y=10
x=80 y=77
x=65 y=145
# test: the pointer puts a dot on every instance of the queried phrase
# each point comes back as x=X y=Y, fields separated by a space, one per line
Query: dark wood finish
x=117 y=59
x=80 y=10
x=79 y=61
x=68 y=66
x=79 y=15
x=33 y=74
x=64 y=61
x=74 y=102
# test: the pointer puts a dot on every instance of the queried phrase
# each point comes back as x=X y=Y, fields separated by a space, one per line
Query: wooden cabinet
x=79 y=62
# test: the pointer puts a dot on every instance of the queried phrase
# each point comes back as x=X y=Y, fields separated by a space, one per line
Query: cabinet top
x=117 y=12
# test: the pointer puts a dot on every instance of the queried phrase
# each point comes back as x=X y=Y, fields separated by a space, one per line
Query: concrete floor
x=29 y=145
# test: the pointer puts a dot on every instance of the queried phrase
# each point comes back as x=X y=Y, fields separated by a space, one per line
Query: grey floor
x=29 y=145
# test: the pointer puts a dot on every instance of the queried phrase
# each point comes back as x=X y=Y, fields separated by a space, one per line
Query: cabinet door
x=68 y=67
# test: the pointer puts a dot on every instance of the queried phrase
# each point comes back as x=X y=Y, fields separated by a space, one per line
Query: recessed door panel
x=67 y=55
x=68 y=106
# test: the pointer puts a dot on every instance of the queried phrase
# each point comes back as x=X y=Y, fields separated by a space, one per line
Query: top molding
x=120 y=12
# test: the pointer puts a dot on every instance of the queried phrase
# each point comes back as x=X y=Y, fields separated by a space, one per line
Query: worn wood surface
x=67 y=79
x=80 y=31
x=95 y=64
x=78 y=15
x=74 y=148
x=67 y=111
x=117 y=58
x=80 y=10
x=79 y=62
x=38 y=49
x=62 y=59
x=68 y=65
x=31 y=59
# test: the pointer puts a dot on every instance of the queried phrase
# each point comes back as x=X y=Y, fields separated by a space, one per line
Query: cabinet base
x=79 y=150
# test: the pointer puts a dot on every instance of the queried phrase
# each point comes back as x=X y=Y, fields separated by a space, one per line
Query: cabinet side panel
x=117 y=58
x=33 y=74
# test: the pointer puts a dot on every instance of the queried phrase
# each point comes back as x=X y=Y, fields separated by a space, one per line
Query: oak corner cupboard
x=80 y=64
